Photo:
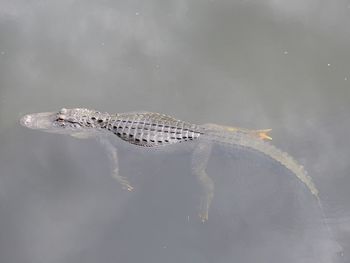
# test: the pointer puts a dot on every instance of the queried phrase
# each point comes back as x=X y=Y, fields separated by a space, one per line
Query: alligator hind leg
x=200 y=159
x=113 y=156
x=262 y=134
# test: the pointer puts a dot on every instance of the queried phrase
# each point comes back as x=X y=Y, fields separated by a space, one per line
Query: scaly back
x=151 y=129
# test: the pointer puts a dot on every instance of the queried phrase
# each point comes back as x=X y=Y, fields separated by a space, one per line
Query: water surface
x=280 y=65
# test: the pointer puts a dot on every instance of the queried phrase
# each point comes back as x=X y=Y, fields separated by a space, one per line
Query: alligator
x=147 y=129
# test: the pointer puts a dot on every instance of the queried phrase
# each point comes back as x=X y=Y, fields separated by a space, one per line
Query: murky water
x=280 y=65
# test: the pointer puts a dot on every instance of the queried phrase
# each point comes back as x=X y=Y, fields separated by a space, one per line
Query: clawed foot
x=128 y=187
x=263 y=134
x=204 y=208
x=203 y=217
x=123 y=181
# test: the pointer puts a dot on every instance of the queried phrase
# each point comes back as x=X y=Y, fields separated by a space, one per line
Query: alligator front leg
x=200 y=160
x=113 y=157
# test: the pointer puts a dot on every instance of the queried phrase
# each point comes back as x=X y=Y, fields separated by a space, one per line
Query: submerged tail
x=251 y=142
x=259 y=145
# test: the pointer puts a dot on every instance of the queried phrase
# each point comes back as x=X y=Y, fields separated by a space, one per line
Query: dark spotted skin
x=151 y=129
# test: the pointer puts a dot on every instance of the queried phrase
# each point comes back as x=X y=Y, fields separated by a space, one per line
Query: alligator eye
x=63 y=111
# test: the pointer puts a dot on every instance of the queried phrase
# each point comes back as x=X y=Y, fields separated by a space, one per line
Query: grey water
x=283 y=65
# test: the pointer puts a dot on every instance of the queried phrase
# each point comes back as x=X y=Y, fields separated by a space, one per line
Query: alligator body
x=148 y=129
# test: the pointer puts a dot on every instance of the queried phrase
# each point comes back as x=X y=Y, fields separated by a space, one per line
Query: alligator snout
x=26 y=120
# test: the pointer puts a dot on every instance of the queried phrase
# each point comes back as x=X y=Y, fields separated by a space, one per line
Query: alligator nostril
x=25 y=121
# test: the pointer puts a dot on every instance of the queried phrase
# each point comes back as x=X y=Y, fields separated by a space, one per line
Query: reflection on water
x=274 y=65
